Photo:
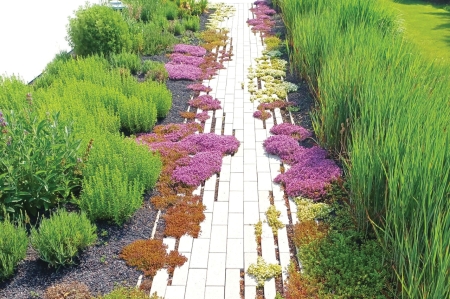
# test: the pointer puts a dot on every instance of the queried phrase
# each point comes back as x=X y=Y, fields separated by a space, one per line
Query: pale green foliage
x=310 y=210
x=13 y=247
x=59 y=238
x=273 y=220
x=263 y=271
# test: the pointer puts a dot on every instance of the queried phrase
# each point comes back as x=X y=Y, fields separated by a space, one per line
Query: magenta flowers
x=192 y=171
x=188 y=49
x=199 y=87
x=183 y=71
x=296 y=132
x=310 y=173
x=226 y=145
x=178 y=58
x=205 y=102
x=203 y=116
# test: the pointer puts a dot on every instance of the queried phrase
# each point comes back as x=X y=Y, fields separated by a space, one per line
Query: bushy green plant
x=13 y=247
x=40 y=165
x=273 y=220
x=192 y=23
x=98 y=29
x=60 y=237
x=126 y=60
x=110 y=195
x=171 y=10
x=155 y=71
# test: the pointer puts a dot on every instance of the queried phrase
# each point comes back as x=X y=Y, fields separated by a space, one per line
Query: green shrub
x=13 y=247
x=155 y=71
x=192 y=23
x=12 y=94
x=109 y=194
x=178 y=28
x=98 y=29
x=40 y=166
x=126 y=60
x=60 y=237
x=171 y=10
x=156 y=40
x=126 y=155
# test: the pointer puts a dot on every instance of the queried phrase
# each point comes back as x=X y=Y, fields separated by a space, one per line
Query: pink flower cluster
x=262 y=115
x=192 y=171
x=296 y=132
x=183 y=71
x=203 y=116
x=199 y=87
x=205 y=102
x=210 y=142
x=310 y=173
x=189 y=49
x=263 y=21
x=171 y=133
x=178 y=58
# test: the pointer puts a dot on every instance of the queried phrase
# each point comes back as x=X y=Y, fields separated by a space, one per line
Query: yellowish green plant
x=263 y=271
x=273 y=220
x=310 y=210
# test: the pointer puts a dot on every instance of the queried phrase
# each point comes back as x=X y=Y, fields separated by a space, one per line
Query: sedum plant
x=263 y=271
x=61 y=237
x=273 y=220
x=13 y=247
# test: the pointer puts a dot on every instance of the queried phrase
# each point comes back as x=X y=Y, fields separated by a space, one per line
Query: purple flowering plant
x=262 y=114
x=192 y=171
x=199 y=87
x=183 y=71
x=203 y=116
x=178 y=58
x=189 y=49
x=296 y=132
x=205 y=102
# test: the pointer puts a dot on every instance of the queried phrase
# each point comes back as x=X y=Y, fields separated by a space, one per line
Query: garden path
x=227 y=246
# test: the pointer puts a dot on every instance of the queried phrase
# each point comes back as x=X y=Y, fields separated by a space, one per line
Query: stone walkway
x=227 y=243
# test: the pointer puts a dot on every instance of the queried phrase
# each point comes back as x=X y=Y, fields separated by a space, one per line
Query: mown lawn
x=427 y=25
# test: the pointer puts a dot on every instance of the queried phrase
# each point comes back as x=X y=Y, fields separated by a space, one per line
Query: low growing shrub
x=192 y=23
x=126 y=60
x=263 y=271
x=98 y=29
x=60 y=237
x=13 y=247
x=109 y=194
x=155 y=71
x=184 y=218
x=127 y=293
x=68 y=290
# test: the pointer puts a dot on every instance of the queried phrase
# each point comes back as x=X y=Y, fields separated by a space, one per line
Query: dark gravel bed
x=99 y=267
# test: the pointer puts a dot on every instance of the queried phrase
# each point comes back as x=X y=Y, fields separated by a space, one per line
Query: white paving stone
x=205 y=227
x=249 y=239
x=250 y=258
x=281 y=206
x=199 y=256
x=267 y=245
x=180 y=274
x=283 y=242
x=175 y=292
x=216 y=269
x=235 y=253
x=285 y=259
x=237 y=181
x=208 y=201
x=232 y=285
x=185 y=244
x=210 y=184
x=251 y=191
x=159 y=283
x=235 y=226
x=225 y=172
x=251 y=212
x=195 y=288
x=218 y=238
x=236 y=202
x=264 y=201
x=264 y=181
x=270 y=289
x=237 y=164
x=250 y=292
x=220 y=215
x=214 y=292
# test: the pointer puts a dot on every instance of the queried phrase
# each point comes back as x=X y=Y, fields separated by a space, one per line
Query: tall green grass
x=386 y=111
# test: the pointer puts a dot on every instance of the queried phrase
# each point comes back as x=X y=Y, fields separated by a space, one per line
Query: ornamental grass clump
x=296 y=132
x=62 y=236
x=150 y=256
x=13 y=247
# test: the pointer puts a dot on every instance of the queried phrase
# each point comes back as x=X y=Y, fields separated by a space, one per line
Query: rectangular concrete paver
x=199 y=256
x=218 y=238
x=214 y=292
x=180 y=274
x=235 y=253
x=195 y=288
x=216 y=269
x=232 y=284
